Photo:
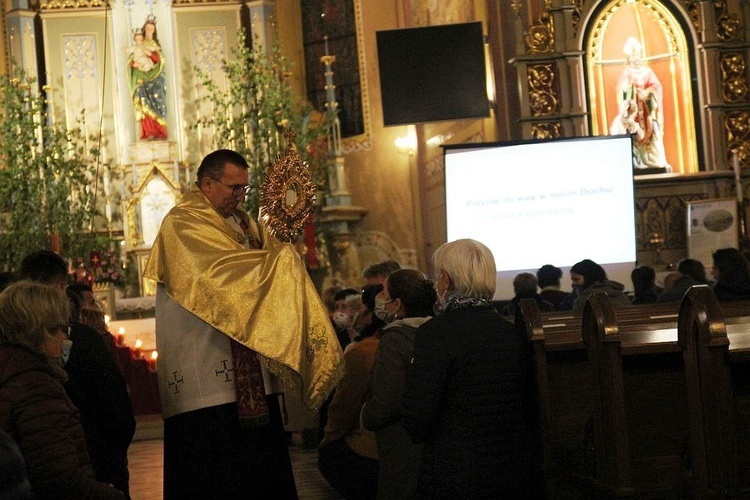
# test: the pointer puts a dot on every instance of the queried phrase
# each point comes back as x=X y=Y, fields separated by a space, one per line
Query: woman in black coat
x=34 y=408
x=465 y=397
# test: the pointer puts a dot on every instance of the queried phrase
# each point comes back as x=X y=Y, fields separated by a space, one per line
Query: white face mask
x=65 y=346
x=340 y=319
x=381 y=312
x=440 y=303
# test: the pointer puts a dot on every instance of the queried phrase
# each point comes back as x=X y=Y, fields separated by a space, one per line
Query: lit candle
x=737 y=177
x=152 y=361
x=121 y=336
x=106 y=321
x=138 y=351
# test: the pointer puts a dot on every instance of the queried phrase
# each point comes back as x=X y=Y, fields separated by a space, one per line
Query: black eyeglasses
x=238 y=189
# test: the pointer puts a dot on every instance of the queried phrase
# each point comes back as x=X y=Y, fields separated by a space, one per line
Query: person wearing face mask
x=588 y=277
x=346 y=303
x=34 y=407
x=367 y=323
x=466 y=398
x=406 y=302
x=347 y=455
x=95 y=384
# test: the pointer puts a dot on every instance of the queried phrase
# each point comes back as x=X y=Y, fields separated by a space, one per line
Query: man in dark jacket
x=95 y=384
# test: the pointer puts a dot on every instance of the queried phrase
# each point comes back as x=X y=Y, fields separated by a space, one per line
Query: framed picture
x=711 y=225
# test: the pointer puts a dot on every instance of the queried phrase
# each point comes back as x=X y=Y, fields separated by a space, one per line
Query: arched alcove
x=639 y=81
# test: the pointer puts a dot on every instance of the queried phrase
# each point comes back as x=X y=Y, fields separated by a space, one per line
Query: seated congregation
x=601 y=389
x=585 y=393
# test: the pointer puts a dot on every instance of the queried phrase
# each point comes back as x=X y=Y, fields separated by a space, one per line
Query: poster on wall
x=712 y=224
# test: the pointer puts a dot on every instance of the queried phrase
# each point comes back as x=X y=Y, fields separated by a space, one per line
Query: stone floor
x=146 y=461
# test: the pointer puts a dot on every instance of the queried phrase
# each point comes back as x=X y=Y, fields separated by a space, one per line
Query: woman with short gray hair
x=465 y=397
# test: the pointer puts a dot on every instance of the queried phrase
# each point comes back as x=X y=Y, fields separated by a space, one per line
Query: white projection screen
x=545 y=202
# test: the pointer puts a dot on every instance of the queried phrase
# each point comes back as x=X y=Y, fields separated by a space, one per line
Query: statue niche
x=639 y=84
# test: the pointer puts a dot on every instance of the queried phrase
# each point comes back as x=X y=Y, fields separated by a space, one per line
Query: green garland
x=253 y=113
x=46 y=177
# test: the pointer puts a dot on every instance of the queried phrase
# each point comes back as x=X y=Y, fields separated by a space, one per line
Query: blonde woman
x=34 y=407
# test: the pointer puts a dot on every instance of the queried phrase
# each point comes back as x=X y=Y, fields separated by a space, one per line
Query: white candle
x=176 y=172
x=737 y=177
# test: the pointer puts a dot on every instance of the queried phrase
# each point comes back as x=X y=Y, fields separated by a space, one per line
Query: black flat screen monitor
x=545 y=202
x=432 y=74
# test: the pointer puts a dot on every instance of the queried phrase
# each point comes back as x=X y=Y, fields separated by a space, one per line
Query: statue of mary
x=147 y=83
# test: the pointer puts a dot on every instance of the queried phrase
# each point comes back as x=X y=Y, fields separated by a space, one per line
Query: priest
x=238 y=322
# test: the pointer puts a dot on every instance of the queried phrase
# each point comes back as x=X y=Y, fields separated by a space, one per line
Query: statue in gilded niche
x=148 y=86
x=640 y=112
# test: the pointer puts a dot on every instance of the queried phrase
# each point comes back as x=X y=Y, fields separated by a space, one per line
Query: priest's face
x=226 y=192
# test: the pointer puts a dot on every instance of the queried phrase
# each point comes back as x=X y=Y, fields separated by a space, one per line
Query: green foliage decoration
x=46 y=176
x=252 y=114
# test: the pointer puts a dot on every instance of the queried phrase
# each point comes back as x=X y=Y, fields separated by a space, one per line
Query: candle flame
x=138 y=343
x=154 y=355
x=121 y=331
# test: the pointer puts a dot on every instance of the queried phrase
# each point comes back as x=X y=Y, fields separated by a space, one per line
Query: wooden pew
x=563 y=380
x=632 y=379
x=641 y=436
x=715 y=339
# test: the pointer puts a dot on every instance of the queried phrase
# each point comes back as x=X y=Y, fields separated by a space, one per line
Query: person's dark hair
x=643 y=278
x=730 y=258
x=549 y=275
x=342 y=294
x=76 y=303
x=369 y=292
x=693 y=268
x=44 y=266
x=590 y=270
x=6 y=279
x=381 y=269
x=213 y=164
x=79 y=288
x=155 y=36
x=328 y=295
x=524 y=284
x=416 y=292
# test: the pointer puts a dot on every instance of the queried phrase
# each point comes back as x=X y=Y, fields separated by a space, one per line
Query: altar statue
x=640 y=112
x=147 y=83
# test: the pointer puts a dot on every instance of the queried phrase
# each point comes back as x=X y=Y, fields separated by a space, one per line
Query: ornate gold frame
x=289 y=177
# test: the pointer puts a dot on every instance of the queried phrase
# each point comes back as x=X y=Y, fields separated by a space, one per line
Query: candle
x=176 y=173
x=152 y=361
x=106 y=321
x=138 y=351
x=135 y=175
x=187 y=176
x=737 y=177
x=121 y=336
